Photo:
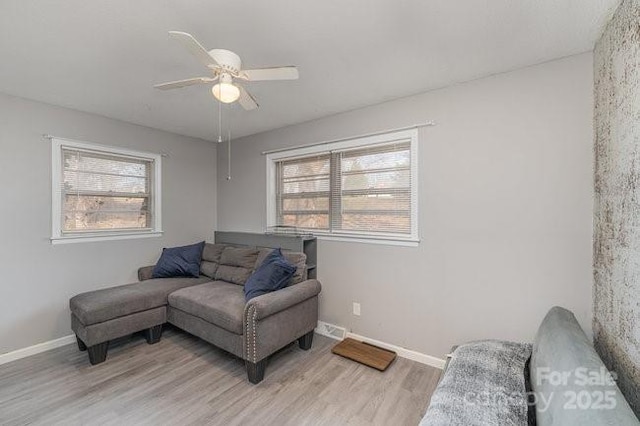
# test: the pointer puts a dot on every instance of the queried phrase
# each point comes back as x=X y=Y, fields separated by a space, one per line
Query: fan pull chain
x=229 y=155
x=219 y=122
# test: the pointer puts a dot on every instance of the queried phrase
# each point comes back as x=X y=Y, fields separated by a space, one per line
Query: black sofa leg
x=153 y=334
x=255 y=370
x=98 y=353
x=305 y=341
x=81 y=345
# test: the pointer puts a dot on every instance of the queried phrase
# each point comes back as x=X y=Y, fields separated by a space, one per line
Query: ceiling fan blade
x=192 y=45
x=247 y=101
x=276 y=73
x=184 y=83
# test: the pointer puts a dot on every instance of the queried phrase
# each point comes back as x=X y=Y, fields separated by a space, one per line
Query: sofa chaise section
x=106 y=314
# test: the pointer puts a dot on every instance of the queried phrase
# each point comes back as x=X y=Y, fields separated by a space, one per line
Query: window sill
x=369 y=240
x=89 y=238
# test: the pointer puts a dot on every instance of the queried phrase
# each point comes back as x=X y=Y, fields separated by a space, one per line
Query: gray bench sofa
x=559 y=380
x=211 y=307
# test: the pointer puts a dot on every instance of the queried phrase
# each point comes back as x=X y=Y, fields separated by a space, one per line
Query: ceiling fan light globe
x=225 y=92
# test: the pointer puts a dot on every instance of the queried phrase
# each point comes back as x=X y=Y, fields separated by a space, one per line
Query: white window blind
x=303 y=188
x=105 y=191
x=355 y=189
x=99 y=192
x=374 y=189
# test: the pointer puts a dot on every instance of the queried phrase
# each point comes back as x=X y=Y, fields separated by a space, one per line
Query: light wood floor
x=183 y=380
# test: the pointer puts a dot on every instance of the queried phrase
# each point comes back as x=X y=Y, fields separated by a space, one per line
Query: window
x=363 y=188
x=103 y=192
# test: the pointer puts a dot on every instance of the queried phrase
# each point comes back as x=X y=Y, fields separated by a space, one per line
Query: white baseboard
x=402 y=352
x=330 y=330
x=321 y=329
x=36 y=349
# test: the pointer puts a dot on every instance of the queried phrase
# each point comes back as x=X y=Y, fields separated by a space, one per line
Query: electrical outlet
x=356 y=309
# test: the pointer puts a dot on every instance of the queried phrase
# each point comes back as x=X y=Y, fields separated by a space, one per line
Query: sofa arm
x=273 y=320
x=271 y=303
x=145 y=273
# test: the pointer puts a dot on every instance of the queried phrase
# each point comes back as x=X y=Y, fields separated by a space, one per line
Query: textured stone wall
x=616 y=307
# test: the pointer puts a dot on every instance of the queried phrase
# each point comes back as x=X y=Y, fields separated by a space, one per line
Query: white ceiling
x=104 y=56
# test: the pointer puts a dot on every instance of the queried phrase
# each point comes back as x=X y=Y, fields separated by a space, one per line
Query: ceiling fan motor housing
x=226 y=78
x=226 y=67
x=227 y=60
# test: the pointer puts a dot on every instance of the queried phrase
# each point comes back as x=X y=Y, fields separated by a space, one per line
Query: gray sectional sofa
x=211 y=307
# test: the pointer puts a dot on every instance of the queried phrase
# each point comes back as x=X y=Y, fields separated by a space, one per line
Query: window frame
x=411 y=135
x=58 y=236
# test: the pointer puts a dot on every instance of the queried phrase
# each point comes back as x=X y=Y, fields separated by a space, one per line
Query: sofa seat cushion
x=218 y=302
x=108 y=303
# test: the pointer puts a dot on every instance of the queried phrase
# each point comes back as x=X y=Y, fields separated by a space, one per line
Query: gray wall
x=505 y=210
x=616 y=322
x=37 y=278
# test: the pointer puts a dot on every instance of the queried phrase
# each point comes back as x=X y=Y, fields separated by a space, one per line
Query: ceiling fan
x=226 y=67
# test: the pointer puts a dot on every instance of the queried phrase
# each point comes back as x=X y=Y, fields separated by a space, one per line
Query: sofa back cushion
x=241 y=257
x=296 y=258
x=236 y=264
x=571 y=384
x=211 y=259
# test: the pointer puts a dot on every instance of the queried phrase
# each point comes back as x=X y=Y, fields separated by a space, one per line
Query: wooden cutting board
x=365 y=353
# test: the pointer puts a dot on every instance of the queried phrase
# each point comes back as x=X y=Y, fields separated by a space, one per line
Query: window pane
x=307 y=184
x=315 y=203
x=105 y=204
x=103 y=163
x=85 y=181
x=378 y=222
x=376 y=179
x=368 y=160
x=315 y=165
x=314 y=221
x=390 y=201
x=88 y=221
x=94 y=213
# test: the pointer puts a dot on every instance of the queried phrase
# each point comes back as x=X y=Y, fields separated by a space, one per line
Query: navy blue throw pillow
x=179 y=262
x=273 y=274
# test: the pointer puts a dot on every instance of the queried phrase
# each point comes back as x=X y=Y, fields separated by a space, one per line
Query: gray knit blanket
x=484 y=384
